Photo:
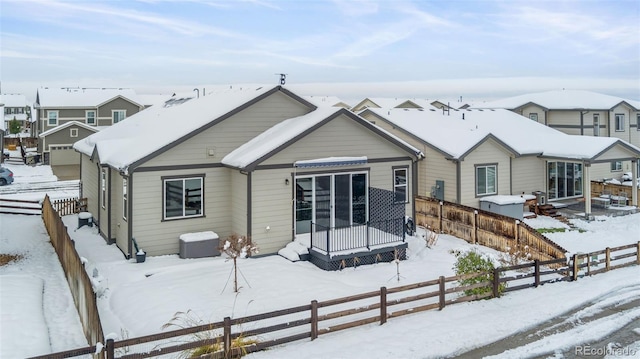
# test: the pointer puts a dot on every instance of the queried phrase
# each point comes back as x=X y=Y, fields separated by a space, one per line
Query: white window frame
x=616 y=166
x=87 y=117
x=184 y=214
x=596 y=124
x=73 y=132
x=113 y=116
x=638 y=122
x=488 y=191
x=124 y=199
x=533 y=116
x=619 y=119
x=103 y=187
x=404 y=185
x=55 y=117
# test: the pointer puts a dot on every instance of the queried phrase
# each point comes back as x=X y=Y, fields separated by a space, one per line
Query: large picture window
x=183 y=197
x=564 y=179
x=400 y=184
x=486 y=180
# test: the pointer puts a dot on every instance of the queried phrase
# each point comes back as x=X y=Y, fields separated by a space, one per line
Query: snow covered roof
x=152 y=129
x=13 y=100
x=458 y=132
x=82 y=97
x=290 y=129
x=562 y=100
x=67 y=125
x=322 y=101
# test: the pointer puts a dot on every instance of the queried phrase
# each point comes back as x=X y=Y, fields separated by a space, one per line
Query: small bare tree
x=236 y=246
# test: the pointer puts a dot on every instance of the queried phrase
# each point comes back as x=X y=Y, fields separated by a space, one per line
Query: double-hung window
x=638 y=122
x=103 y=187
x=596 y=124
x=619 y=122
x=52 y=118
x=183 y=197
x=90 y=117
x=124 y=199
x=118 y=115
x=486 y=179
x=400 y=184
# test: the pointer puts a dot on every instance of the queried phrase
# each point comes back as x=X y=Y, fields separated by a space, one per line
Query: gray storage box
x=512 y=206
x=199 y=245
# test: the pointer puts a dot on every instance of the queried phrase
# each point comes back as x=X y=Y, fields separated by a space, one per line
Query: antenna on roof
x=283 y=78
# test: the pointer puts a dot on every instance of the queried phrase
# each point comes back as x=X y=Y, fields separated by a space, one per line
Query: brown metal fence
x=488 y=229
x=77 y=278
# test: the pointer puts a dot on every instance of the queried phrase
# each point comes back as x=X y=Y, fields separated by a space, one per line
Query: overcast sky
x=456 y=47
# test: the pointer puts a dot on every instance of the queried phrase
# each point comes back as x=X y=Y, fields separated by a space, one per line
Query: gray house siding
x=119 y=103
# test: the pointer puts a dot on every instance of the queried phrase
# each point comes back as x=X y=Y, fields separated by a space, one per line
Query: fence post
x=575 y=267
x=110 y=352
x=314 y=319
x=440 y=217
x=496 y=283
x=441 y=298
x=537 y=271
x=383 y=305
x=227 y=336
x=608 y=252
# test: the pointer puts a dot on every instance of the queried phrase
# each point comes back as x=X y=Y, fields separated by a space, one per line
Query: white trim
x=113 y=112
x=49 y=119
x=95 y=117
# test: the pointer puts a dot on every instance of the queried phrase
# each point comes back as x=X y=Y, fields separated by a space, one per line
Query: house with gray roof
x=261 y=162
x=585 y=113
x=472 y=154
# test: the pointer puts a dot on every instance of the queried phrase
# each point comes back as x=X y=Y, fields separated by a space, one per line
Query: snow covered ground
x=139 y=298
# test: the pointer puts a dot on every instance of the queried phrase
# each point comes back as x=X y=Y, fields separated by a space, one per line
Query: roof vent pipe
x=463 y=116
x=197 y=92
x=203 y=92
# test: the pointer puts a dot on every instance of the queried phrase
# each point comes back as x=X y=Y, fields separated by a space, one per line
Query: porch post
x=634 y=182
x=586 y=189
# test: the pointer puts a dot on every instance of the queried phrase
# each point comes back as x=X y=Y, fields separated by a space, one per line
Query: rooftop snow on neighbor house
x=562 y=100
x=457 y=132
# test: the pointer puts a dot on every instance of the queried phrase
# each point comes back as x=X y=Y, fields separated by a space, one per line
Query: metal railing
x=357 y=236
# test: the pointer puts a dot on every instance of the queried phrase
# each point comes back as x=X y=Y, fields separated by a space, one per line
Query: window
x=616 y=166
x=118 y=115
x=73 y=132
x=619 y=122
x=124 y=198
x=596 y=124
x=564 y=180
x=103 y=187
x=183 y=198
x=90 y=117
x=400 y=184
x=638 y=122
x=486 y=180
x=52 y=118
x=533 y=116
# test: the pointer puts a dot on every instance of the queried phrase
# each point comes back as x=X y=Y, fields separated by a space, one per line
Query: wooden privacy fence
x=262 y=331
x=77 y=278
x=488 y=229
x=597 y=189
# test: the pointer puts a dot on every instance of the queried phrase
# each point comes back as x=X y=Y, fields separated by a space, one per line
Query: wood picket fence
x=317 y=318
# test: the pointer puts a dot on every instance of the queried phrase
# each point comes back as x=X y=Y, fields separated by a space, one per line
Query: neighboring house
x=584 y=113
x=58 y=142
x=470 y=154
x=16 y=107
x=94 y=107
x=388 y=103
x=262 y=162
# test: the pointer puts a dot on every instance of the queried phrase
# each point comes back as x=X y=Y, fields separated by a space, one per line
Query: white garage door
x=63 y=155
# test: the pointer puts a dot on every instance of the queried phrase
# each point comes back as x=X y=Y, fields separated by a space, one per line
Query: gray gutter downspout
x=99 y=192
x=582 y=113
x=130 y=213
x=414 y=172
x=511 y=175
x=249 y=200
x=458 y=182
x=109 y=205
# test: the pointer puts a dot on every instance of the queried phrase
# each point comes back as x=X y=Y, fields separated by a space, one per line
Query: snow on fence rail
x=19 y=206
x=262 y=331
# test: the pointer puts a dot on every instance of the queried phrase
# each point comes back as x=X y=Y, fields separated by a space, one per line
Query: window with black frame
x=400 y=184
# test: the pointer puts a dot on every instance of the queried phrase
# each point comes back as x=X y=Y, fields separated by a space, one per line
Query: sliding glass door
x=564 y=180
x=333 y=200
